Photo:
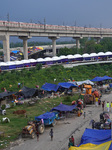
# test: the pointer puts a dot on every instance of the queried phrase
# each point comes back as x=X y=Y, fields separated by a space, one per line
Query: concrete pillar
x=77 y=42
x=25 y=48
x=54 y=44
x=6 y=48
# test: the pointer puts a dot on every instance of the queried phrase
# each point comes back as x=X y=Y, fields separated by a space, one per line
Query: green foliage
x=38 y=76
x=67 y=99
x=38 y=66
x=3 y=106
x=1 y=53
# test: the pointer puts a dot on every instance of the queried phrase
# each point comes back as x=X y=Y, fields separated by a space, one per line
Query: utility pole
x=75 y=25
x=8 y=17
x=100 y=27
x=44 y=23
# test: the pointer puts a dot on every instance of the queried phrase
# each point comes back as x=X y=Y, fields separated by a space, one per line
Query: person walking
x=107 y=105
x=51 y=134
x=37 y=133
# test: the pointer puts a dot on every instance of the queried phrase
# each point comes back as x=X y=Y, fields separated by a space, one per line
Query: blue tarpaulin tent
x=50 y=87
x=46 y=115
x=97 y=79
x=107 y=78
x=63 y=107
x=67 y=85
x=15 y=51
x=93 y=139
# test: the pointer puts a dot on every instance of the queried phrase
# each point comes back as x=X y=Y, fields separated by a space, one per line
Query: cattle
x=19 y=112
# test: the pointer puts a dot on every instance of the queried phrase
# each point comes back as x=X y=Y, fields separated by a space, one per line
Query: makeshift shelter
x=71 y=57
x=50 y=87
x=82 y=82
x=97 y=79
x=15 y=51
x=108 y=54
x=48 y=60
x=107 y=78
x=78 y=57
x=63 y=58
x=63 y=107
x=67 y=85
x=19 y=64
x=3 y=66
x=3 y=95
x=86 y=56
x=95 y=140
x=13 y=58
x=27 y=92
x=40 y=61
x=11 y=65
x=56 y=59
x=26 y=63
x=48 y=117
x=94 y=56
x=33 y=62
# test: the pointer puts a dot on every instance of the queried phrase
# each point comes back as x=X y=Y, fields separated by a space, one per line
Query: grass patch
x=17 y=122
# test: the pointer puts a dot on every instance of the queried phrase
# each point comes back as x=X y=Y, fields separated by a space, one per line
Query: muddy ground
x=62 y=131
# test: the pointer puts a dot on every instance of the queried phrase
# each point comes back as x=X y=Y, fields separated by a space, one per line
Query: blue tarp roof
x=96 y=79
x=46 y=115
x=107 y=77
x=15 y=51
x=66 y=85
x=50 y=87
x=63 y=107
x=95 y=136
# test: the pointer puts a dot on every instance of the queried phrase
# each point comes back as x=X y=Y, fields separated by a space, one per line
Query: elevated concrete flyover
x=53 y=32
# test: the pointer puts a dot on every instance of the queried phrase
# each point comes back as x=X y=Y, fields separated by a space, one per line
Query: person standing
x=72 y=138
x=107 y=105
x=111 y=106
x=84 y=115
x=103 y=104
x=51 y=134
x=70 y=143
x=96 y=101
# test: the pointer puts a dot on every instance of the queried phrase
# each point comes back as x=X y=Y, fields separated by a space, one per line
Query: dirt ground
x=62 y=131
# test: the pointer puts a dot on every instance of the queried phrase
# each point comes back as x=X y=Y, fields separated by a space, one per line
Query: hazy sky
x=94 y=13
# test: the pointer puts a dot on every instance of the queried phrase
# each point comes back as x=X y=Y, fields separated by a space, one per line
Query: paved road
x=63 y=130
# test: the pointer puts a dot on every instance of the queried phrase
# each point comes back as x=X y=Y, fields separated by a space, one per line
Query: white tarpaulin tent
x=82 y=82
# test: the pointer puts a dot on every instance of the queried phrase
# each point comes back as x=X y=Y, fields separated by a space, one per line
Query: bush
x=38 y=66
x=67 y=99
x=3 y=106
